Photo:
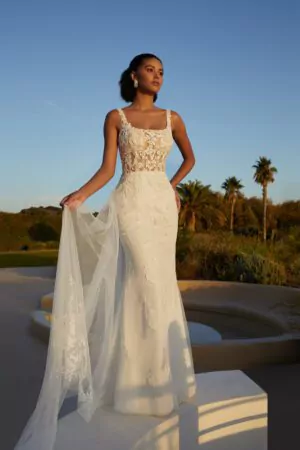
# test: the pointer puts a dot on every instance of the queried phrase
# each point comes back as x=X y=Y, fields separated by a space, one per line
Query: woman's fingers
x=63 y=201
x=73 y=200
x=74 y=204
x=66 y=199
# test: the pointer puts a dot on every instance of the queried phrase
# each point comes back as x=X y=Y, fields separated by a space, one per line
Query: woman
x=119 y=335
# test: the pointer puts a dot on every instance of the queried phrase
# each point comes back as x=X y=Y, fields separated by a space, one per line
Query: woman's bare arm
x=182 y=141
x=108 y=166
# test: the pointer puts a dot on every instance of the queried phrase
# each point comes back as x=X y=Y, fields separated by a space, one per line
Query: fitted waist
x=144 y=177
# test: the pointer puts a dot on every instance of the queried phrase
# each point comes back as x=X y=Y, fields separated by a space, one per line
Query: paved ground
x=23 y=359
x=22 y=356
x=282 y=383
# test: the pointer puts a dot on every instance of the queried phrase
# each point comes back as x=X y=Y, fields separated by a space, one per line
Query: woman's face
x=149 y=76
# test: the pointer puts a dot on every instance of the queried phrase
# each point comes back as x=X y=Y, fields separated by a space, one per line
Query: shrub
x=227 y=258
x=43 y=232
x=255 y=268
x=184 y=244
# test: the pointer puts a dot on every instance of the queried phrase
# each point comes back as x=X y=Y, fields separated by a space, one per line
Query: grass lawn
x=28 y=258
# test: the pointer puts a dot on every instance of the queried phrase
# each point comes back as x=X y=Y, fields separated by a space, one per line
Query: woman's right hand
x=73 y=200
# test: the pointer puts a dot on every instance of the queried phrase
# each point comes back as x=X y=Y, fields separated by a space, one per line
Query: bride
x=119 y=334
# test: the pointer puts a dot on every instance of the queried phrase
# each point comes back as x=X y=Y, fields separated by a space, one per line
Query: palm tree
x=263 y=175
x=232 y=187
x=198 y=205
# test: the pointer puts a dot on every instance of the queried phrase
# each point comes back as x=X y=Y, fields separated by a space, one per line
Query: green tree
x=232 y=187
x=264 y=175
x=245 y=218
x=198 y=206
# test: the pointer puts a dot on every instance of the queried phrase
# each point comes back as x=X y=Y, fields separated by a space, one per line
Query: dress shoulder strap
x=169 y=124
x=122 y=115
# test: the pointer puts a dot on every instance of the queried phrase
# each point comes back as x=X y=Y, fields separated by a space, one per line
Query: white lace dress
x=119 y=334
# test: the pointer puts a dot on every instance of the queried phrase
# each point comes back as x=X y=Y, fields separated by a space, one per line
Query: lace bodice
x=142 y=149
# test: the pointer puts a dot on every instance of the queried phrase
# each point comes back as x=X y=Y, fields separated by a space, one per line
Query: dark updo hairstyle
x=127 y=88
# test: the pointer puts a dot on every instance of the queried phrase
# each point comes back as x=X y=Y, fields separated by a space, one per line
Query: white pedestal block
x=229 y=412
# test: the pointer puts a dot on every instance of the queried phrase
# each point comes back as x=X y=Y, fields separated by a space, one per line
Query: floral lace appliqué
x=142 y=149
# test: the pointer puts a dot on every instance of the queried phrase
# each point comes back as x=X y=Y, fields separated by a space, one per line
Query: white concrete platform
x=229 y=412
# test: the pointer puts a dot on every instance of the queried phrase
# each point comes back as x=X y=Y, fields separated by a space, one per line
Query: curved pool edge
x=265 y=303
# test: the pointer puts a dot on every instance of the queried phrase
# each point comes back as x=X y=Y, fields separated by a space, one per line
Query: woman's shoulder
x=113 y=113
x=113 y=116
x=175 y=114
x=176 y=119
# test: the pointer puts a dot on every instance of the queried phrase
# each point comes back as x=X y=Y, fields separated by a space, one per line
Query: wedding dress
x=119 y=334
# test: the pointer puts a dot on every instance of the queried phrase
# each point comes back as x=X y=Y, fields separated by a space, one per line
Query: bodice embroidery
x=144 y=149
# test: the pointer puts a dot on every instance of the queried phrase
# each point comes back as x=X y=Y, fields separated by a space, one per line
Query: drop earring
x=135 y=83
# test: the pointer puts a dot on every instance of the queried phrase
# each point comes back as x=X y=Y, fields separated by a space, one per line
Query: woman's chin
x=153 y=90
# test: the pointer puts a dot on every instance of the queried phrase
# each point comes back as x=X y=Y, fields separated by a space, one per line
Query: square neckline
x=167 y=111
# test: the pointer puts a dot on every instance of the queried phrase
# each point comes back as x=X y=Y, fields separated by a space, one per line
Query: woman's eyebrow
x=153 y=67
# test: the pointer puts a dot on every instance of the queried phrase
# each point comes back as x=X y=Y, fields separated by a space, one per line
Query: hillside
x=32 y=228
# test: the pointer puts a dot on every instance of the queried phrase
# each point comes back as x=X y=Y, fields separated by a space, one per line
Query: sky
x=232 y=71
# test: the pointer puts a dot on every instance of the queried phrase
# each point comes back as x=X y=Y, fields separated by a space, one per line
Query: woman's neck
x=143 y=101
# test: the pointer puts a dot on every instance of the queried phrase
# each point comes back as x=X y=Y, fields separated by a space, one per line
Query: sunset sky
x=232 y=71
